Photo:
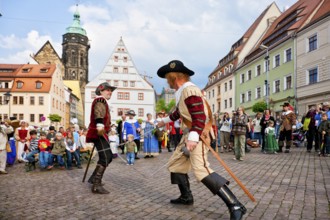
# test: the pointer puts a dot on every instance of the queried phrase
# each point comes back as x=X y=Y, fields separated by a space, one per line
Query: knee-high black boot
x=91 y=178
x=217 y=185
x=97 y=185
x=186 y=197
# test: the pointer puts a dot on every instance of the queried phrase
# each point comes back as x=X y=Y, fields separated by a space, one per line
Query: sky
x=197 y=32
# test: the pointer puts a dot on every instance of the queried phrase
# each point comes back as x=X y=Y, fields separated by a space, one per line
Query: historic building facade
x=313 y=60
x=220 y=89
x=36 y=91
x=133 y=91
x=269 y=72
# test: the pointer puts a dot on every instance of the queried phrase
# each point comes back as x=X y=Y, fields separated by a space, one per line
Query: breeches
x=104 y=151
x=197 y=161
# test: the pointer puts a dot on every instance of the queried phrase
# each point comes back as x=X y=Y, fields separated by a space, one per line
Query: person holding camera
x=240 y=127
x=225 y=133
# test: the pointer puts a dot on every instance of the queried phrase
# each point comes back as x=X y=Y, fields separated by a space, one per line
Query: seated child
x=32 y=150
x=71 y=150
x=57 y=151
x=44 y=147
x=130 y=149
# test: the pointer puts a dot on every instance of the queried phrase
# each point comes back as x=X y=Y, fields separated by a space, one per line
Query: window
x=225 y=87
x=125 y=59
x=41 y=100
x=53 y=103
x=31 y=100
x=225 y=103
x=230 y=102
x=115 y=69
x=123 y=95
x=132 y=83
x=209 y=94
x=287 y=55
x=40 y=117
x=15 y=100
x=6 y=85
x=44 y=70
x=115 y=58
x=38 y=85
x=212 y=93
x=219 y=106
x=287 y=82
x=258 y=70
x=121 y=111
x=115 y=83
x=267 y=89
x=242 y=78
x=277 y=60
x=230 y=85
x=242 y=98
x=267 y=63
x=140 y=112
x=140 y=96
x=125 y=70
x=5 y=116
x=125 y=83
x=21 y=100
x=276 y=87
x=249 y=96
x=249 y=75
x=213 y=108
x=312 y=43
x=26 y=70
x=258 y=93
x=31 y=117
x=19 y=84
x=21 y=116
x=312 y=76
x=15 y=115
x=219 y=90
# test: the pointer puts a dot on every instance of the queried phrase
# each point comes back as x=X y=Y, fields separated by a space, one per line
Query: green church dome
x=76 y=28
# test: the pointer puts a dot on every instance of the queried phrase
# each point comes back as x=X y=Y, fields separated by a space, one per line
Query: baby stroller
x=298 y=137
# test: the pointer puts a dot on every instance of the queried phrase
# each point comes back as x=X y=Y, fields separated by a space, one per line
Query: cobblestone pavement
x=286 y=186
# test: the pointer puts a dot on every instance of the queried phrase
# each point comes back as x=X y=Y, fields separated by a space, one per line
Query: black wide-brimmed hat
x=130 y=112
x=285 y=104
x=104 y=86
x=174 y=66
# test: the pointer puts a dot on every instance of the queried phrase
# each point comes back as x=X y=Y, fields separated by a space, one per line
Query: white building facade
x=133 y=91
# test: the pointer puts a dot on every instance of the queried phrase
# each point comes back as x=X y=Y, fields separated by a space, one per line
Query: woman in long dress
x=150 y=147
x=271 y=143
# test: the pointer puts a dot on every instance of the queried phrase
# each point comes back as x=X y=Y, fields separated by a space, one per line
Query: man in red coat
x=99 y=127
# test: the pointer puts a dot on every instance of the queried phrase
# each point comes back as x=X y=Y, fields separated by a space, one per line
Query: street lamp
x=264 y=47
x=7 y=99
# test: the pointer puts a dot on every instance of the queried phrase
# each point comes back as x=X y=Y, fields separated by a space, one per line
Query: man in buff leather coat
x=196 y=116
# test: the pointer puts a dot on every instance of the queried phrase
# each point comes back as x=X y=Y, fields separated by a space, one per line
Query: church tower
x=75 y=48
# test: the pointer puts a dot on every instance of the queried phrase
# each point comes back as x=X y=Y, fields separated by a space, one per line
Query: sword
x=89 y=160
x=229 y=171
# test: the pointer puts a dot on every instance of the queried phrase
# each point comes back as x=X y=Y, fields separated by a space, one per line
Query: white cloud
x=198 y=32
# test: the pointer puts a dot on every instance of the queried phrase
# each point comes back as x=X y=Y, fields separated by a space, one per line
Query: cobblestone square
x=286 y=186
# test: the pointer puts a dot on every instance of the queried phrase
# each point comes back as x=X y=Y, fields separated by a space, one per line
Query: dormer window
x=44 y=70
x=19 y=84
x=38 y=85
x=26 y=70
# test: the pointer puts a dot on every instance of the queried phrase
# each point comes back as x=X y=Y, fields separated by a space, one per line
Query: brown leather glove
x=100 y=132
